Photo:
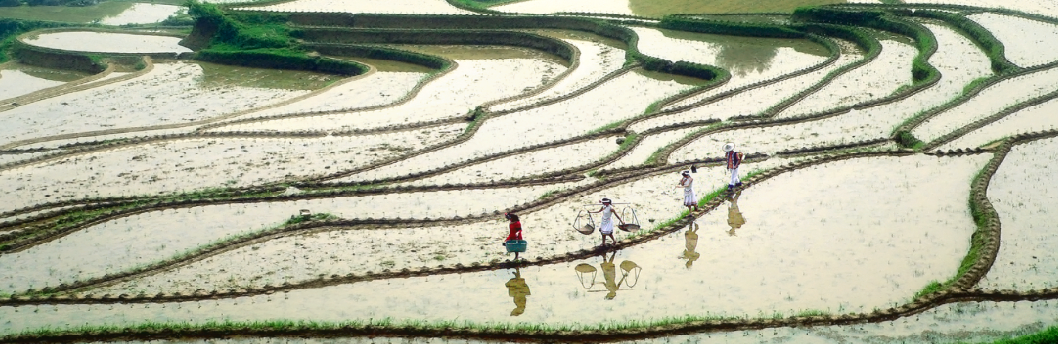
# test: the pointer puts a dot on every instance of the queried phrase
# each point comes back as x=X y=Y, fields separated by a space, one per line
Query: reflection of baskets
x=516 y=245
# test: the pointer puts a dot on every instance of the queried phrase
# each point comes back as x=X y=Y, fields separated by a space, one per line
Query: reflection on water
x=743 y=59
x=751 y=55
x=518 y=289
x=734 y=216
x=691 y=237
x=222 y=75
x=609 y=273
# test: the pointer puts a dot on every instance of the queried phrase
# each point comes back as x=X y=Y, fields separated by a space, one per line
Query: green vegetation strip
x=255 y=40
x=921 y=70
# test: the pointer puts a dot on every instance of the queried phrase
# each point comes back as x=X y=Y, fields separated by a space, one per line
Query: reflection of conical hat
x=729 y=147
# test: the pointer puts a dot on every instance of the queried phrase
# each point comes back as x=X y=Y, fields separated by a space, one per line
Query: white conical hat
x=730 y=146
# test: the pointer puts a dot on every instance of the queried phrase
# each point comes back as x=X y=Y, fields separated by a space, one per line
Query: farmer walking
x=516 y=230
x=734 y=159
x=689 y=199
x=606 y=225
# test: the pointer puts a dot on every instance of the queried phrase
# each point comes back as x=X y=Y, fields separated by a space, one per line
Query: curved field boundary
x=830 y=45
x=574 y=63
x=988 y=43
x=609 y=76
x=157 y=56
x=601 y=333
x=452 y=65
x=774 y=110
x=33 y=297
x=60 y=90
x=164 y=126
x=913 y=122
x=11 y=103
x=958 y=294
x=990 y=119
x=491 y=157
x=798 y=119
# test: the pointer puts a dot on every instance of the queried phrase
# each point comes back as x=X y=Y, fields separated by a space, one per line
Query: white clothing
x=688 y=192
x=734 y=176
x=606 y=226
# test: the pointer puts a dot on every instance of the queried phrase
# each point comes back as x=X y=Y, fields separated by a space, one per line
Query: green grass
x=931 y=288
x=300 y=326
x=606 y=127
x=1048 y=336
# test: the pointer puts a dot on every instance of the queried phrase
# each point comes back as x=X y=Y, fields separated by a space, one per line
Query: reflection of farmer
x=606 y=224
x=734 y=216
x=517 y=289
x=687 y=183
x=692 y=243
x=609 y=274
x=734 y=159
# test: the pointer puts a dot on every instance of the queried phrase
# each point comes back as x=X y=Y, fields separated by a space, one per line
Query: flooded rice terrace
x=246 y=204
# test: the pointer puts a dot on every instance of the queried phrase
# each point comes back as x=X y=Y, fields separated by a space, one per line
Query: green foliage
x=931 y=288
x=908 y=140
x=812 y=313
x=1048 y=336
x=305 y=218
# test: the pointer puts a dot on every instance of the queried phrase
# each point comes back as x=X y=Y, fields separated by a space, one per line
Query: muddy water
x=618 y=99
x=14 y=83
x=1023 y=39
x=1035 y=118
x=990 y=101
x=172 y=93
x=748 y=59
x=1023 y=193
x=142 y=14
x=596 y=60
x=187 y=165
x=878 y=78
x=747 y=102
x=364 y=6
x=121 y=244
x=840 y=253
x=958 y=60
x=1040 y=7
x=106 y=42
x=453 y=95
x=379 y=88
x=108 y=13
x=19 y=79
x=528 y=164
x=390 y=65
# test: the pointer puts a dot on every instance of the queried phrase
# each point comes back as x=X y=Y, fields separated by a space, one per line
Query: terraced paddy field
x=314 y=172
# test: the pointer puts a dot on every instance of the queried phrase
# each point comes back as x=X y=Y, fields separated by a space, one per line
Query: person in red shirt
x=516 y=230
